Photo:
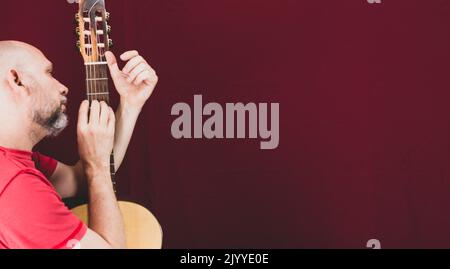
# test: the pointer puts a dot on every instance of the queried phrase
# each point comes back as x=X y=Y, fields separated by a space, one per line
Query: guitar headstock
x=93 y=30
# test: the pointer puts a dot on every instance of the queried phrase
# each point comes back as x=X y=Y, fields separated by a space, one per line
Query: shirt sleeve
x=33 y=216
x=45 y=164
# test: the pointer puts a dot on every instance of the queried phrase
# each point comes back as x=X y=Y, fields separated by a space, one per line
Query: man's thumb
x=112 y=63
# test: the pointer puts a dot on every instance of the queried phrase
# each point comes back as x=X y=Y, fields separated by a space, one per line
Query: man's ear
x=15 y=78
x=15 y=82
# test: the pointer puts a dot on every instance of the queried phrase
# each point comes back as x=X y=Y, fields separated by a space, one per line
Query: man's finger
x=83 y=113
x=133 y=63
x=128 y=55
x=146 y=75
x=111 y=120
x=104 y=113
x=137 y=70
x=95 y=112
x=112 y=63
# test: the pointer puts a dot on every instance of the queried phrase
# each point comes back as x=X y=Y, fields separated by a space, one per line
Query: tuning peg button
x=78 y=44
x=76 y=20
x=110 y=43
x=107 y=15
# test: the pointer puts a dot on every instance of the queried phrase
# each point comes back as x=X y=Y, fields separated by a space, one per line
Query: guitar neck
x=97 y=89
x=97 y=81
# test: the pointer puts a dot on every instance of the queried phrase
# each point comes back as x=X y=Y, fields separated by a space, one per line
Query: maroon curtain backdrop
x=364 y=92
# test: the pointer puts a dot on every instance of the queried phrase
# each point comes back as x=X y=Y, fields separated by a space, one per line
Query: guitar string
x=92 y=46
x=103 y=82
x=105 y=90
x=103 y=94
x=91 y=62
x=100 y=58
x=89 y=67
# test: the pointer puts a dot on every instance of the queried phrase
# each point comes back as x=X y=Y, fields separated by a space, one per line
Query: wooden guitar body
x=142 y=229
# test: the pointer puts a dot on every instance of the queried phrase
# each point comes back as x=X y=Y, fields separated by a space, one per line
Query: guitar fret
x=95 y=63
x=97 y=93
x=90 y=79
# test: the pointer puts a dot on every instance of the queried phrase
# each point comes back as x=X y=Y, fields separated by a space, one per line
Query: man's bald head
x=28 y=88
x=21 y=56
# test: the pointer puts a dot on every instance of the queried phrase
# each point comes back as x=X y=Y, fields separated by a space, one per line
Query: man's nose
x=64 y=90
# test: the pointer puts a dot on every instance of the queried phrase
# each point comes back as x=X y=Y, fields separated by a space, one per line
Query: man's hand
x=135 y=82
x=95 y=135
x=95 y=143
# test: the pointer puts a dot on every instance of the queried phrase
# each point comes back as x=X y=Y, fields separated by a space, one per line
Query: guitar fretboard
x=97 y=81
x=97 y=89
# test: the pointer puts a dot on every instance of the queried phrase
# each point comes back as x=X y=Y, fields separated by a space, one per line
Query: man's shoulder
x=12 y=169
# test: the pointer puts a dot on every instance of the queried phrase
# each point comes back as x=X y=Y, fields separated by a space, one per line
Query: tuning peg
x=110 y=43
x=77 y=31
x=108 y=29
x=107 y=15
x=76 y=19
x=78 y=44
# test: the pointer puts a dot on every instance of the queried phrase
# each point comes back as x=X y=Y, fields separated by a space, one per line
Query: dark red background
x=365 y=134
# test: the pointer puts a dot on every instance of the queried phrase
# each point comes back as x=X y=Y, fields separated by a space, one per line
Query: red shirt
x=32 y=214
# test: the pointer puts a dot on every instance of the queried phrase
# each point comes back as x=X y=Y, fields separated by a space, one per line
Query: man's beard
x=54 y=123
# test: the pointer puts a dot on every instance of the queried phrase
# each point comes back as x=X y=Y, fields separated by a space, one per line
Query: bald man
x=33 y=107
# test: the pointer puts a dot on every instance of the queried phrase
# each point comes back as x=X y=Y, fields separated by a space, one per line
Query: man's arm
x=69 y=181
x=95 y=137
x=135 y=84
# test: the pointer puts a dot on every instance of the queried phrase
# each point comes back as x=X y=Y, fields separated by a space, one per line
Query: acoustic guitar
x=142 y=229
